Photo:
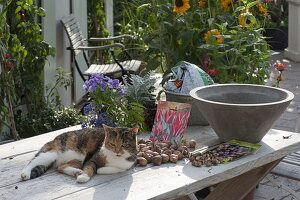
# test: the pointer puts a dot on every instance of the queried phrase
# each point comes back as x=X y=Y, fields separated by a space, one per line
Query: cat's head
x=119 y=139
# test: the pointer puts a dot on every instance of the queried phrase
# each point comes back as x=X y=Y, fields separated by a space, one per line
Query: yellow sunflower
x=202 y=3
x=181 y=6
x=242 y=20
x=226 y=4
x=261 y=8
x=215 y=33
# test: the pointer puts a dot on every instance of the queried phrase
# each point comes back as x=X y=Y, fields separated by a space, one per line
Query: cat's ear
x=135 y=130
x=106 y=128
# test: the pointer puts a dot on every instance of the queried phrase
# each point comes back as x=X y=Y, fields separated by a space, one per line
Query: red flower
x=7 y=56
x=280 y=66
x=8 y=66
x=213 y=72
x=206 y=61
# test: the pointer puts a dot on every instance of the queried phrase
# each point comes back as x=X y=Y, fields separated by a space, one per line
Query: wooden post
x=13 y=129
x=109 y=15
x=8 y=97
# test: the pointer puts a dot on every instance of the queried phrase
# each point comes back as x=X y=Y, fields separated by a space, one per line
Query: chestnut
x=141 y=161
x=157 y=160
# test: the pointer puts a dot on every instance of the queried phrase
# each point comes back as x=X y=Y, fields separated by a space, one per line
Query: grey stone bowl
x=241 y=111
x=196 y=117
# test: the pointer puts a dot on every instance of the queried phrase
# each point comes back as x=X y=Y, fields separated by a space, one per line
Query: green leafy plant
x=140 y=89
x=277 y=13
x=109 y=102
x=8 y=69
x=215 y=32
x=96 y=28
x=47 y=120
x=53 y=116
x=29 y=83
x=64 y=80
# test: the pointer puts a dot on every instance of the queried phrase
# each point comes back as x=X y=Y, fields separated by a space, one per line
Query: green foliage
x=278 y=12
x=8 y=68
x=53 y=116
x=109 y=99
x=139 y=89
x=22 y=15
x=96 y=28
x=47 y=120
x=127 y=21
x=64 y=80
x=228 y=32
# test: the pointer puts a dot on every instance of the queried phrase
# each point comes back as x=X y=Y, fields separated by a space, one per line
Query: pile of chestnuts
x=162 y=152
x=221 y=154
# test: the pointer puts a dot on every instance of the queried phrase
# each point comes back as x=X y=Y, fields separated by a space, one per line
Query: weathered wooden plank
x=169 y=181
x=287 y=170
x=178 y=180
x=76 y=36
x=70 y=23
x=242 y=185
x=161 y=182
x=43 y=187
x=67 y=19
x=30 y=144
x=10 y=169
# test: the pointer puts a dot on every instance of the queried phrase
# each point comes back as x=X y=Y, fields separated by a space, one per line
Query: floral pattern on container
x=170 y=121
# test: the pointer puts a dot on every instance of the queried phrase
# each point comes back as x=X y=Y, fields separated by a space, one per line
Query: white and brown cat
x=83 y=153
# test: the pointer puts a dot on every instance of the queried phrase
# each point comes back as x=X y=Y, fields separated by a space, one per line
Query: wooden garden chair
x=78 y=44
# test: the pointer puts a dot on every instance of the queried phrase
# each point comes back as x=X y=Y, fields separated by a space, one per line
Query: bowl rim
x=290 y=96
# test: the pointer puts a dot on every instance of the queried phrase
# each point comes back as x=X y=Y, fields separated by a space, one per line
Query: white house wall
x=80 y=12
x=55 y=35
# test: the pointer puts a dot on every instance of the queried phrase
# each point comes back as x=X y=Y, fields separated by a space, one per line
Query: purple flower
x=114 y=83
x=84 y=125
x=102 y=118
x=99 y=80
x=87 y=109
x=103 y=86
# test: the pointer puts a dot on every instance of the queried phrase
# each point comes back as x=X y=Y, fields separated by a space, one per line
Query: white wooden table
x=235 y=180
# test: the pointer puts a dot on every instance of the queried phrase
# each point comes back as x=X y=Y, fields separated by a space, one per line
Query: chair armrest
x=93 y=39
x=116 y=45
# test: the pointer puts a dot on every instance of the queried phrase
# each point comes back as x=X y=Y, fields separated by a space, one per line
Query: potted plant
x=140 y=89
x=109 y=105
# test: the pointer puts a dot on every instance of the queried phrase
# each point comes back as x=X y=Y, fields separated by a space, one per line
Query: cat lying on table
x=82 y=153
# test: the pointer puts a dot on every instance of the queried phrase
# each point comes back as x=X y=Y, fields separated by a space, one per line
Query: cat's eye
x=111 y=144
x=125 y=145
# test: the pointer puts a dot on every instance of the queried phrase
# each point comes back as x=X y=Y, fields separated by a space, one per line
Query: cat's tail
x=38 y=165
x=38 y=171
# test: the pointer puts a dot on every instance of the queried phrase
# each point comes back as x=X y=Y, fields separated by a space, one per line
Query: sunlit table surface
x=167 y=181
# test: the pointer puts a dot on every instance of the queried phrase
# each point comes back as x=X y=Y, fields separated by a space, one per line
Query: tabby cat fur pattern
x=82 y=153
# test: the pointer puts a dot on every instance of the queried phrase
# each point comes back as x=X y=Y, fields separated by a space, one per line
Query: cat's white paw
x=83 y=178
x=25 y=175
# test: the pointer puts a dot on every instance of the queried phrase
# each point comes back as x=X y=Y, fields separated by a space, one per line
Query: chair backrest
x=74 y=33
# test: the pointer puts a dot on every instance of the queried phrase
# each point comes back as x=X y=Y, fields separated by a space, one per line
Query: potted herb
x=140 y=89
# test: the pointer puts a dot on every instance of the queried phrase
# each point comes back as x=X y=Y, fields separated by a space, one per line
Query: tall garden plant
x=22 y=18
x=224 y=37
